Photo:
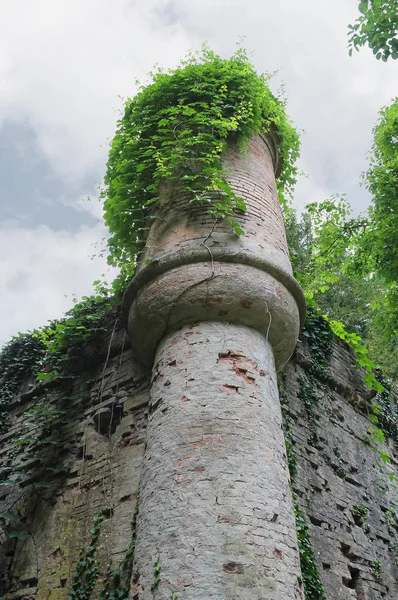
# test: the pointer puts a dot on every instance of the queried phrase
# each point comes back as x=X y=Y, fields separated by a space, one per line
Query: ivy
x=317 y=333
x=360 y=510
x=392 y=526
x=156 y=574
x=308 y=394
x=360 y=352
x=19 y=359
x=55 y=350
x=360 y=513
x=312 y=584
x=86 y=572
x=318 y=336
x=313 y=587
x=117 y=581
x=176 y=130
x=64 y=340
x=387 y=407
x=291 y=456
x=383 y=416
x=50 y=357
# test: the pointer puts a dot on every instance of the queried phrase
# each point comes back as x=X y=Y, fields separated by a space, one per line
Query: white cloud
x=39 y=267
x=63 y=65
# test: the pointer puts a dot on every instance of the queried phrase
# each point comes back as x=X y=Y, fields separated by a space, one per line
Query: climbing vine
x=318 y=336
x=116 y=585
x=86 y=572
x=387 y=407
x=313 y=587
x=116 y=581
x=392 y=526
x=317 y=333
x=20 y=358
x=38 y=370
x=64 y=340
x=382 y=412
x=48 y=357
x=312 y=584
x=176 y=129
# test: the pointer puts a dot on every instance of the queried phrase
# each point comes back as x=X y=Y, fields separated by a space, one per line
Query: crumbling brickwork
x=342 y=484
x=171 y=480
x=236 y=295
x=94 y=455
x=336 y=471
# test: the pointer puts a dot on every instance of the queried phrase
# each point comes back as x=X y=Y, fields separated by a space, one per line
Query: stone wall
x=342 y=484
x=74 y=450
x=89 y=461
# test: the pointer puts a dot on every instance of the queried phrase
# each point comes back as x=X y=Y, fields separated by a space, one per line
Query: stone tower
x=216 y=316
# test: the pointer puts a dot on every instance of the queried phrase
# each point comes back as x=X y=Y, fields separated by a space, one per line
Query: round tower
x=216 y=316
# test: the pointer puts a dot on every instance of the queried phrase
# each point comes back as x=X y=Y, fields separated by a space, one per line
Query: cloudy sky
x=64 y=66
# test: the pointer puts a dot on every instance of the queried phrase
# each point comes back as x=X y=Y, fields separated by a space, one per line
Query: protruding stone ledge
x=197 y=252
x=219 y=291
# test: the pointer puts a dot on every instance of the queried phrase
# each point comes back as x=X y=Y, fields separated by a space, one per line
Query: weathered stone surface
x=215 y=513
x=227 y=292
x=215 y=506
x=328 y=484
x=224 y=313
x=182 y=226
x=102 y=473
x=185 y=274
x=339 y=470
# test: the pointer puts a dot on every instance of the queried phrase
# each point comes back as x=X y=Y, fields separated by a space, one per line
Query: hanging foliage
x=176 y=129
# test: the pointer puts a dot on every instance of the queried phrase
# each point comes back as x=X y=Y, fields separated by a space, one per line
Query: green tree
x=381 y=241
x=335 y=271
x=377 y=27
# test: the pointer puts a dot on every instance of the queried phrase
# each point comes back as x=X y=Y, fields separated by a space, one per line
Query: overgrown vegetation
x=387 y=409
x=175 y=130
x=86 y=572
x=376 y=570
x=115 y=584
x=55 y=351
x=348 y=268
x=117 y=580
x=360 y=514
x=19 y=358
x=313 y=587
x=374 y=254
x=46 y=362
x=392 y=526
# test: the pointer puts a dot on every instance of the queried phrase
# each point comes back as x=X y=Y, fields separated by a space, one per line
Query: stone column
x=216 y=316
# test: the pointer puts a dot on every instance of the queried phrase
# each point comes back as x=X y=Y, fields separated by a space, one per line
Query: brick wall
x=90 y=461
